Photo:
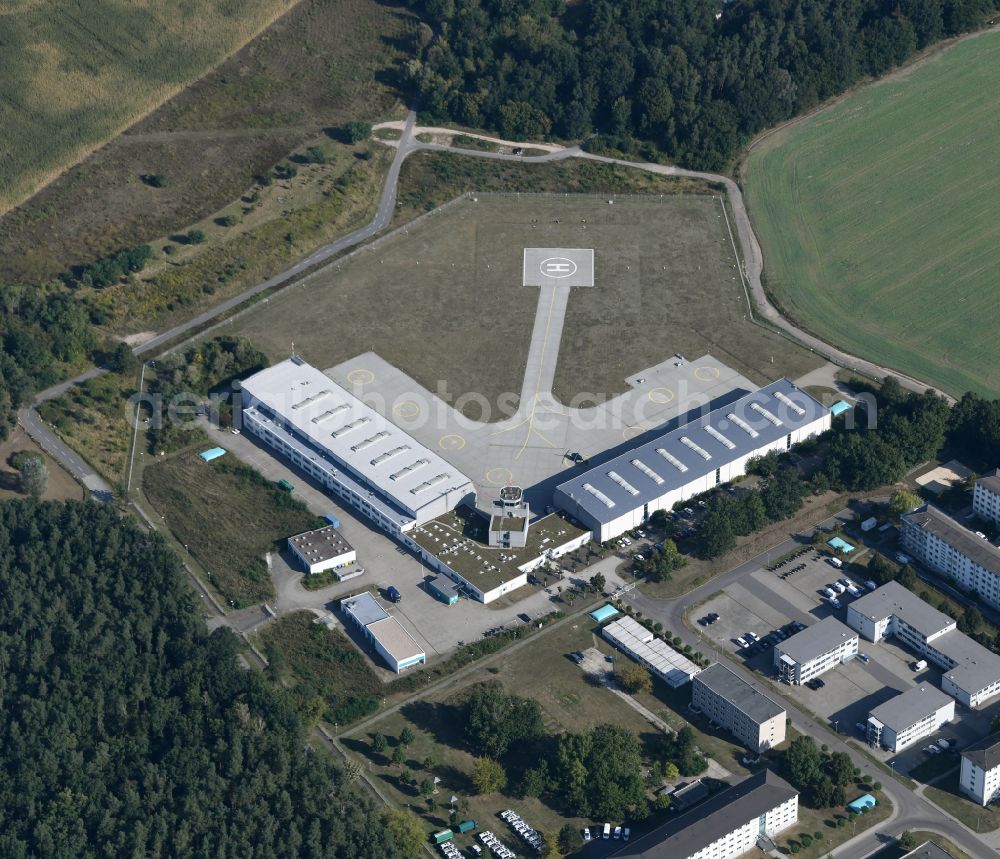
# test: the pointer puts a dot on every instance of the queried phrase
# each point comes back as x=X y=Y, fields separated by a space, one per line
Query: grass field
x=228 y=517
x=75 y=73
x=946 y=794
x=880 y=218
x=61 y=485
x=323 y=63
x=443 y=299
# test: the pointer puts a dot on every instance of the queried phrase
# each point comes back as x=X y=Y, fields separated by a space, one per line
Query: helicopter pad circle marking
x=361 y=377
x=499 y=476
x=452 y=441
x=661 y=395
x=406 y=409
x=706 y=374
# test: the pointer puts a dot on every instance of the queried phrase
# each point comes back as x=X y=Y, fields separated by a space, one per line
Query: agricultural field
x=76 y=73
x=317 y=67
x=228 y=517
x=879 y=219
x=442 y=298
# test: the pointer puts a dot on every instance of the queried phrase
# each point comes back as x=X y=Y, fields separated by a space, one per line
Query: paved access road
x=911 y=811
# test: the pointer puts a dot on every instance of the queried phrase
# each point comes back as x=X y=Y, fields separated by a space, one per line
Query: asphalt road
x=911 y=811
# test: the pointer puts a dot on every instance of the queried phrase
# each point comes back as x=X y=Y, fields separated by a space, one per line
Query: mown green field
x=880 y=219
x=73 y=72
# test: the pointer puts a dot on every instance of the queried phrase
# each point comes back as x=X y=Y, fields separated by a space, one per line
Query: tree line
x=129 y=730
x=690 y=79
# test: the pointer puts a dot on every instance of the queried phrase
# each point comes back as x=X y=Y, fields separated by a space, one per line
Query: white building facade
x=814 y=651
x=951 y=549
x=622 y=493
x=971 y=672
x=364 y=460
x=728 y=824
x=980 y=776
x=986 y=496
x=728 y=700
x=909 y=717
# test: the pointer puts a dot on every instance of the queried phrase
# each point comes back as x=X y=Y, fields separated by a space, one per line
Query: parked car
x=626 y=832
x=903 y=558
x=586 y=833
x=864 y=657
x=743 y=643
x=607 y=830
x=618 y=832
x=393 y=594
x=712 y=617
x=838 y=587
x=752 y=636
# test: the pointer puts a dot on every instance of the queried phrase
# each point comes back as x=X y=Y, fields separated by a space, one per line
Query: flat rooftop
x=364 y=608
x=991 y=481
x=320 y=545
x=961 y=539
x=508 y=523
x=396 y=641
x=725 y=683
x=893 y=599
x=691 y=451
x=910 y=707
x=461 y=540
x=367 y=443
x=816 y=640
x=719 y=815
x=928 y=850
x=975 y=666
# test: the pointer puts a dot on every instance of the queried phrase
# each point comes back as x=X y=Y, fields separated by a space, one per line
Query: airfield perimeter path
x=911 y=811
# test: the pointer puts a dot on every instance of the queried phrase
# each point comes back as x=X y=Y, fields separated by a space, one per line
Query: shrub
x=195 y=236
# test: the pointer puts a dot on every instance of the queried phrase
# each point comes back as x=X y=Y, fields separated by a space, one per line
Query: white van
x=607 y=830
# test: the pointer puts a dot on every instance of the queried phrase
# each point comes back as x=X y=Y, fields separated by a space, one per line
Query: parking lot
x=438 y=628
x=767 y=604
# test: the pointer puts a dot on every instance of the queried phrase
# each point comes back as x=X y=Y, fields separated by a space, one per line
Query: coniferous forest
x=693 y=79
x=126 y=730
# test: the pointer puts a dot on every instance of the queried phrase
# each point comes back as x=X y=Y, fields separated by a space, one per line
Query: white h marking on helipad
x=557 y=267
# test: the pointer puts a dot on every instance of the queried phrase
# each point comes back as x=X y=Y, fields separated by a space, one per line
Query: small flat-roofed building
x=322 y=549
x=456 y=544
x=980 y=776
x=447 y=590
x=971 y=672
x=815 y=650
x=986 y=496
x=728 y=700
x=909 y=717
x=631 y=637
x=726 y=825
x=620 y=494
x=386 y=634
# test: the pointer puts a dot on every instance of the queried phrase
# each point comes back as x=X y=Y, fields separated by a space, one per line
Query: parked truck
x=442 y=836
x=467 y=825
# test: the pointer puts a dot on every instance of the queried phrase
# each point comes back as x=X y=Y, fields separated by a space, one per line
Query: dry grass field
x=73 y=74
x=320 y=65
x=61 y=487
x=442 y=299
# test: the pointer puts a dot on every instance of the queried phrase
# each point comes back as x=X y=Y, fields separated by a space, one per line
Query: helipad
x=558 y=267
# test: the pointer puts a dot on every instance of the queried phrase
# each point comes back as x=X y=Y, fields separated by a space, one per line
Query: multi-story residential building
x=928 y=850
x=953 y=550
x=909 y=717
x=726 y=825
x=971 y=672
x=728 y=700
x=980 y=777
x=816 y=649
x=986 y=496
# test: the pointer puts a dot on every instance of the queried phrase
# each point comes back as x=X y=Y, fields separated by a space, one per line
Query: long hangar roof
x=336 y=421
x=693 y=450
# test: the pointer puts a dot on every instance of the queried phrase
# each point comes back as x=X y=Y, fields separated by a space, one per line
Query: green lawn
x=879 y=219
x=945 y=794
x=228 y=517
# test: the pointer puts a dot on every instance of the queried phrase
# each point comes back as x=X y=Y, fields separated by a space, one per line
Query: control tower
x=509 y=519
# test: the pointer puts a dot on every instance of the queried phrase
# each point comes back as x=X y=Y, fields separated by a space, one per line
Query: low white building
x=951 y=549
x=321 y=550
x=815 y=650
x=630 y=636
x=980 y=777
x=391 y=641
x=364 y=460
x=986 y=496
x=622 y=493
x=730 y=823
x=971 y=672
x=728 y=700
x=909 y=717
